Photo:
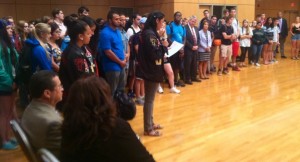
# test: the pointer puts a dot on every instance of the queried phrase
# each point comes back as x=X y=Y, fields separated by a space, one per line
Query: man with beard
x=176 y=32
x=112 y=53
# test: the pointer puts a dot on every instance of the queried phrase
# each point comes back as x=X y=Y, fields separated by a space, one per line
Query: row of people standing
x=76 y=62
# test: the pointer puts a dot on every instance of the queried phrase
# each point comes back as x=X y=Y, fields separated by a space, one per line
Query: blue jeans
x=116 y=80
x=256 y=51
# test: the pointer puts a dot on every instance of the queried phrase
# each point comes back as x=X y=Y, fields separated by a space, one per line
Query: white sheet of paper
x=174 y=48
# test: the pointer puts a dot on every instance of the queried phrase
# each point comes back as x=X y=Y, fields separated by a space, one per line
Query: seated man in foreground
x=41 y=122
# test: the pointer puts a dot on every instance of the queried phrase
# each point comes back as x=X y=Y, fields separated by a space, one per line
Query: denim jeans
x=256 y=51
x=116 y=80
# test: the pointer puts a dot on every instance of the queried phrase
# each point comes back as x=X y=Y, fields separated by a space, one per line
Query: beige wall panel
x=144 y=10
x=167 y=9
x=30 y=12
x=98 y=11
x=121 y=3
x=71 y=2
x=138 y=3
x=246 y=12
x=67 y=9
x=6 y=2
x=7 y=10
x=39 y=2
x=188 y=9
x=95 y=2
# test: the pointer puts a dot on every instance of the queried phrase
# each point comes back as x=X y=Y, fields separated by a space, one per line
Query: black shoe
x=180 y=84
x=188 y=82
x=283 y=57
x=196 y=80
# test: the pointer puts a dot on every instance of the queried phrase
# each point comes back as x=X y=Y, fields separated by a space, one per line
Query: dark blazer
x=189 y=43
x=284 y=28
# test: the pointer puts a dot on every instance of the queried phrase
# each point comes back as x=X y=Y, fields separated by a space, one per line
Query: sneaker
x=9 y=146
x=160 y=90
x=219 y=72
x=252 y=63
x=257 y=64
x=14 y=141
x=235 y=68
x=174 y=90
x=139 y=101
x=284 y=57
x=180 y=83
x=224 y=72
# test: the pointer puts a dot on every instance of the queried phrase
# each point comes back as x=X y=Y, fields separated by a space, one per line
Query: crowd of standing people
x=76 y=64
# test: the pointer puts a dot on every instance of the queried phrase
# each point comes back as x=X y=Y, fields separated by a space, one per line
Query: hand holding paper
x=174 y=48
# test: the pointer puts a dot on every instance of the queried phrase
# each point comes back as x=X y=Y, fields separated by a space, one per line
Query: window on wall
x=126 y=11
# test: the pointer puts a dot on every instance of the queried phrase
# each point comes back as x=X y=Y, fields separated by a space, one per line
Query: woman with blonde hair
x=41 y=57
x=245 y=41
x=295 y=31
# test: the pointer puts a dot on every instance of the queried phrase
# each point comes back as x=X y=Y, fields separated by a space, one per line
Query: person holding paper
x=176 y=32
x=167 y=66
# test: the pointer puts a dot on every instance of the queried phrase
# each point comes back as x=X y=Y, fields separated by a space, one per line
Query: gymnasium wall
x=32 y=9
x=290 y=8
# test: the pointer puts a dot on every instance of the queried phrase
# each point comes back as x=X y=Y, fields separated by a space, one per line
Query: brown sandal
x=157 y=126
x=153 y=133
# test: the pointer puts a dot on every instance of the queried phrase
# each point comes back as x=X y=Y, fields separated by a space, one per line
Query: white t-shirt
x=63 y=29
x=130 y=31
x=236 y=27
x=276 y=31
x=246 y=42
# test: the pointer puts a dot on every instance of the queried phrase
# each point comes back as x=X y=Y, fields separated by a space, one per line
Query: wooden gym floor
x=251 y=115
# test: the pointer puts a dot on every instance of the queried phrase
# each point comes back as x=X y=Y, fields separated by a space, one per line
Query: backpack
x=24 y=69
x=126 y=108
x=130 y=42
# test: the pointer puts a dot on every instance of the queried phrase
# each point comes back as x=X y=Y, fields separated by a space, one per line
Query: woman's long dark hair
x=89 y=114
x=151 y=21
x=267 y=23
x=6 y=43
x=93 y=45
x=76 y=27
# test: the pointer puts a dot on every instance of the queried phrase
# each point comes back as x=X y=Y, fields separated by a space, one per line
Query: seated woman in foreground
x=92 y=132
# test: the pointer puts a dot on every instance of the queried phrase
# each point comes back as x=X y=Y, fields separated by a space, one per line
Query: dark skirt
x=203 y=56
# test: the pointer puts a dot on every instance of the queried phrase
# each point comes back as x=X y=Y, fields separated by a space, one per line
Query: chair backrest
x=47 y=156
x=23 y=141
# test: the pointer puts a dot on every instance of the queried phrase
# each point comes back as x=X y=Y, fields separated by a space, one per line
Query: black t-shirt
x=229 y=31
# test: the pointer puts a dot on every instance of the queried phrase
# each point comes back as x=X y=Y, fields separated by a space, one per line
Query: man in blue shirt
x=112 y=53
x=176 y=32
